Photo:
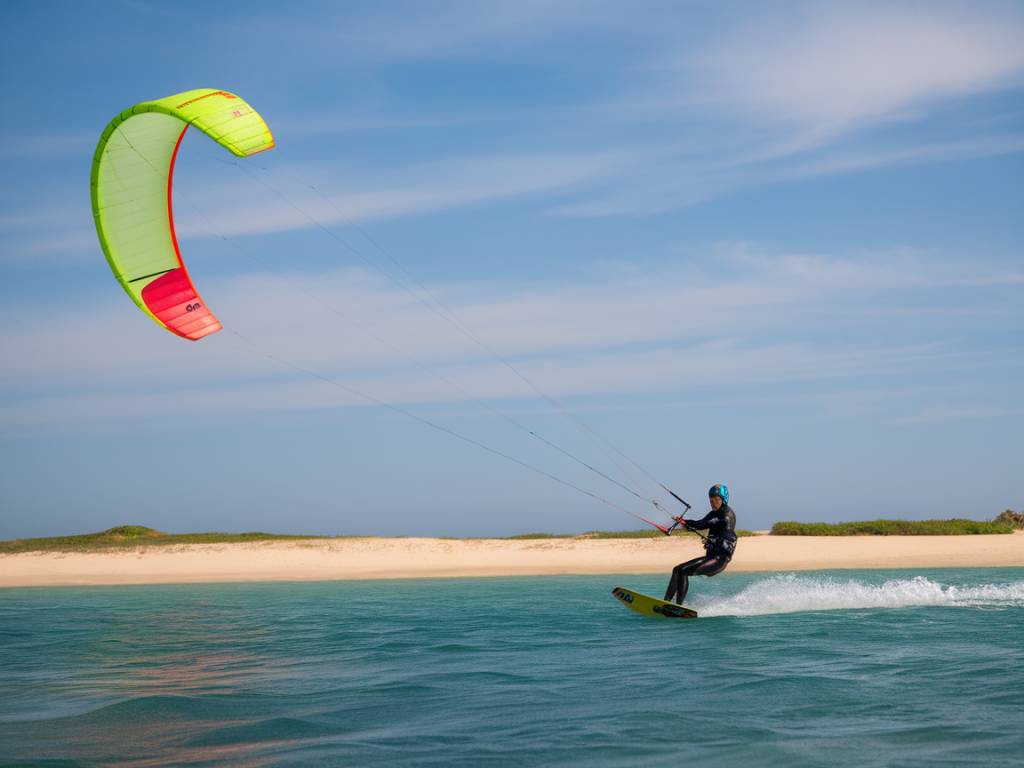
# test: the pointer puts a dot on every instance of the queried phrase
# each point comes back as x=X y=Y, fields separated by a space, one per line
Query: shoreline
x=404 y=558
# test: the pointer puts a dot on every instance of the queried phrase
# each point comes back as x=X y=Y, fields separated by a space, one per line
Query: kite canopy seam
x=131 y=191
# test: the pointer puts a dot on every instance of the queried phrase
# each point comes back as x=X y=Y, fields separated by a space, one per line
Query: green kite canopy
x=132 y=175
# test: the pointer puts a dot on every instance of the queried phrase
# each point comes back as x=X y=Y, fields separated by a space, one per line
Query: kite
x=132 y=176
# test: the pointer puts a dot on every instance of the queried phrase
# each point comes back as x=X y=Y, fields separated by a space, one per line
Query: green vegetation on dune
x=956 y=527
x=128 y=536
x=133 y=536
x=1016 y=519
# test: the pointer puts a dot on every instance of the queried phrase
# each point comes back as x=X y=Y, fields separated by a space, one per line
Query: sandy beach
x=378 y=558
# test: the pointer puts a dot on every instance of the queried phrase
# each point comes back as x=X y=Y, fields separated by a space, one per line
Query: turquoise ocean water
x=871 y=668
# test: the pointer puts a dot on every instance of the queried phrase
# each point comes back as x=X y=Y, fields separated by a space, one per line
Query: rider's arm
x=703 y=524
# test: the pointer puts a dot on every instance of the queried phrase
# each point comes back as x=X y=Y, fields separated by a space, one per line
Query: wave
x=791 y=594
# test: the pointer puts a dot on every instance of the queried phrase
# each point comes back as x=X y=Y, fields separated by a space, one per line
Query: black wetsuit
x=718 y=549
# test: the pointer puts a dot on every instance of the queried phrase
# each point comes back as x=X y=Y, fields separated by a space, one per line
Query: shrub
x=956 y=527
x=1016 y=519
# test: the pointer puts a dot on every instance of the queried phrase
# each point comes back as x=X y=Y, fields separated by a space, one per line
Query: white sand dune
x=374 y=558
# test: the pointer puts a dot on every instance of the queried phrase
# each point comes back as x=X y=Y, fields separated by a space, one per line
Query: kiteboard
x=652 y=606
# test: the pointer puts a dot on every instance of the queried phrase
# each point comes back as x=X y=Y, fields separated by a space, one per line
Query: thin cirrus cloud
x=39 y=146
x=621 y=308
x=279 y=200
x=799 y=89
x=670 y=186
x=941 y=414
x=793 y=88
x=800 y=86
x=767 y=328
x=46 y=233
x=453 y=29
x=668 y=369
x=843 y=65
x=850 y=162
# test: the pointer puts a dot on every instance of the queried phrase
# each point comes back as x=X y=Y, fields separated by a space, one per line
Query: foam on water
x=792 y=593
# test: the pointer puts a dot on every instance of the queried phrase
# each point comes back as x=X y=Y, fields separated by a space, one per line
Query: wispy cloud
x=46 y=233
x=823 y=90
x=457 y=28
x=40 y=217
x=45 y=248
x=670 y=369
x=273 y=202
x=838 y=66
x=868 y=319
x=776 y=323
x=940 y=414
x=276 y=198
x=949 y=151
x=36 y=146
x=784 y=96
x=672 y=185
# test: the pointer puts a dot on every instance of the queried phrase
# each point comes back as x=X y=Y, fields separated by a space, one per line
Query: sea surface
x=843 y=668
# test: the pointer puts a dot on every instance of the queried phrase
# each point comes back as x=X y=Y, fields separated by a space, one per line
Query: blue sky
x=778 y=246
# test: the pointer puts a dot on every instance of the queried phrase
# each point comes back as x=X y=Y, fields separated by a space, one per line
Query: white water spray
x=791 y=593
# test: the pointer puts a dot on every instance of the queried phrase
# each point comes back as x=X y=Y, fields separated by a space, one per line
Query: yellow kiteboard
x=652 y=606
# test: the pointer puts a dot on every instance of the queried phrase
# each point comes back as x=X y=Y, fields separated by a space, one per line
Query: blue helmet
x=721 y=490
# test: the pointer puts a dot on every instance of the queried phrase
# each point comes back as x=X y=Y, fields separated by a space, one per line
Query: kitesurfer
x=719 y=545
